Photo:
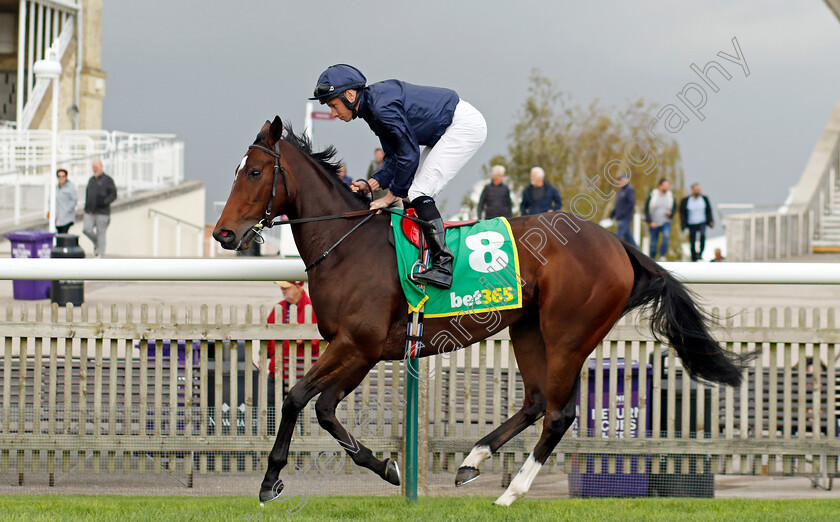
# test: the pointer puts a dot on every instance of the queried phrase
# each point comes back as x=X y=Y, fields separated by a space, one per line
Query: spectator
x=66 y=198
x=495 y=198
x=659 y=210
x=718 y=256
x=293 y=294
x=342 y=174
x=540 y=196
x=376 y=164
x=696 y=215
x=101 y=192
x=625 y=205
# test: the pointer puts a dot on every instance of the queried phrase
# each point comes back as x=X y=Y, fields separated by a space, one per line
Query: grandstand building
x=163 y=212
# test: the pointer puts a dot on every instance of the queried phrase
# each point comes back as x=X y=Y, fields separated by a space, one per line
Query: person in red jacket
x=294 y=294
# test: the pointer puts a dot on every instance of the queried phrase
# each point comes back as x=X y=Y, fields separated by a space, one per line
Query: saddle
x=473 y=291
x=412 y=229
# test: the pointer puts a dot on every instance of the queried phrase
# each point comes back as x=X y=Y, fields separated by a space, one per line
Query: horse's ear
x=275 y=131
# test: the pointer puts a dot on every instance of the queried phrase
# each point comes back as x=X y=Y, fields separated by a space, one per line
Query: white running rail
x=273 y=269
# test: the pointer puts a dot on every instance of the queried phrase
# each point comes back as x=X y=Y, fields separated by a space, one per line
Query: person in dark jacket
x=405 y=116
x=101 y=192
x=495 y=198
x=625 y=205
x=540 y=196
x=696 y=215
x=342 y=174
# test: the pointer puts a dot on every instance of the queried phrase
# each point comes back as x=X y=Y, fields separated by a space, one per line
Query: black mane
x=325 y=158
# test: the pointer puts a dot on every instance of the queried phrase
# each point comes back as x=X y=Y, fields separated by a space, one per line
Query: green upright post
x=411 y=392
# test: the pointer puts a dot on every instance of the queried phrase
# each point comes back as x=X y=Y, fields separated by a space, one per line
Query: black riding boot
x=440 y=273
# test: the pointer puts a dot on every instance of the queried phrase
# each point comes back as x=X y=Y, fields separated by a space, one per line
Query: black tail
x=674 y=316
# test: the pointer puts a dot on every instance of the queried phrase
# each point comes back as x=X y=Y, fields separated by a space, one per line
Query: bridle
x=267 y=222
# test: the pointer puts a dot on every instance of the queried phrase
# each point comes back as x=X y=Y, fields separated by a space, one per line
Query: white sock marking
x=521 y=483
x=478 y=455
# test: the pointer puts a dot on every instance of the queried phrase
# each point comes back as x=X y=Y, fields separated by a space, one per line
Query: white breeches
x=439 y=164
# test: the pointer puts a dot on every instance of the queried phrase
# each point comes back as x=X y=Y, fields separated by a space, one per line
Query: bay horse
x=577 y=280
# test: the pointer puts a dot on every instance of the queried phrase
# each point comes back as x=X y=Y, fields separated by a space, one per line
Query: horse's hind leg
x=560 y=414
x=529 y=348
x=361 y=455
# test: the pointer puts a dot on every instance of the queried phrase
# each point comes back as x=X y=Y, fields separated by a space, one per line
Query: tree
x=584 y=149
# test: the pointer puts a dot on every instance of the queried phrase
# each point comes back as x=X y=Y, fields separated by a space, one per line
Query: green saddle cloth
x=485 y=274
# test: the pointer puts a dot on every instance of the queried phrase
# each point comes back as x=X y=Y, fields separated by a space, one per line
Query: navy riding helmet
x=335 y=80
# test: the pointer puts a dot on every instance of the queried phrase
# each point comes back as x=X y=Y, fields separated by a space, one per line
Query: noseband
x=265 y=222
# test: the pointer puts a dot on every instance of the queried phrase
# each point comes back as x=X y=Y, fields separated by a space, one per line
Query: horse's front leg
x=335 y=373
x=361 y=455
x=298 y=397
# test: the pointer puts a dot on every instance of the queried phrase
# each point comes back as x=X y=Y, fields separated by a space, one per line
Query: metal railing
x=157 y=214
x=137 y=162
x=768 y=236
x=793 y=229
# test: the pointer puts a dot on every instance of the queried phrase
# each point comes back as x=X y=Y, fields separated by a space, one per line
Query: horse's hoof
x=392 y=472
x=269 y=494
x=465 y=475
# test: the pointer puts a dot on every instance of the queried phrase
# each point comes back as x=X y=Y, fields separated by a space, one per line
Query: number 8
x=487 y=255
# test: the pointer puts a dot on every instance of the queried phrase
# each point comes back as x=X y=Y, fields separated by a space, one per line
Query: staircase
x=809 y=219
x=827 y=235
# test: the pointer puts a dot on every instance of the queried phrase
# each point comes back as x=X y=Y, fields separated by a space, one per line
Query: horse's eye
x=254 y=173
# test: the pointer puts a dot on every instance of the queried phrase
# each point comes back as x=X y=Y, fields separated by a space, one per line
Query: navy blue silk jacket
x=405 y=116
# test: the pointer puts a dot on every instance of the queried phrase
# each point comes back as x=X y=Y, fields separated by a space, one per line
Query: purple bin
x=31 y=244
x=584 y=481
x=151 y=345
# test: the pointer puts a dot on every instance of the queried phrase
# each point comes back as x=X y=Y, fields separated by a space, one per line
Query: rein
x=267 y=222
x=369 y=212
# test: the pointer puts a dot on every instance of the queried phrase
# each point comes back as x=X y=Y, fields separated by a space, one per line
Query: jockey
x=405 y=116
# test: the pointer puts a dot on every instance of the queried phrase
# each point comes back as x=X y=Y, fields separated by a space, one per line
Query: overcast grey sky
x=212 y=72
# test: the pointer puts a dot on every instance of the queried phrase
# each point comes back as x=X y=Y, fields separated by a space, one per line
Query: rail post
x=411 y=395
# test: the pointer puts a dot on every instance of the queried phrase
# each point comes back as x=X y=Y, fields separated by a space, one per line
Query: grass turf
x=79 y=507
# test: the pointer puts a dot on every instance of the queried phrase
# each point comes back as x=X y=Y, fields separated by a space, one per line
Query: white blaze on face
x=241 y=165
